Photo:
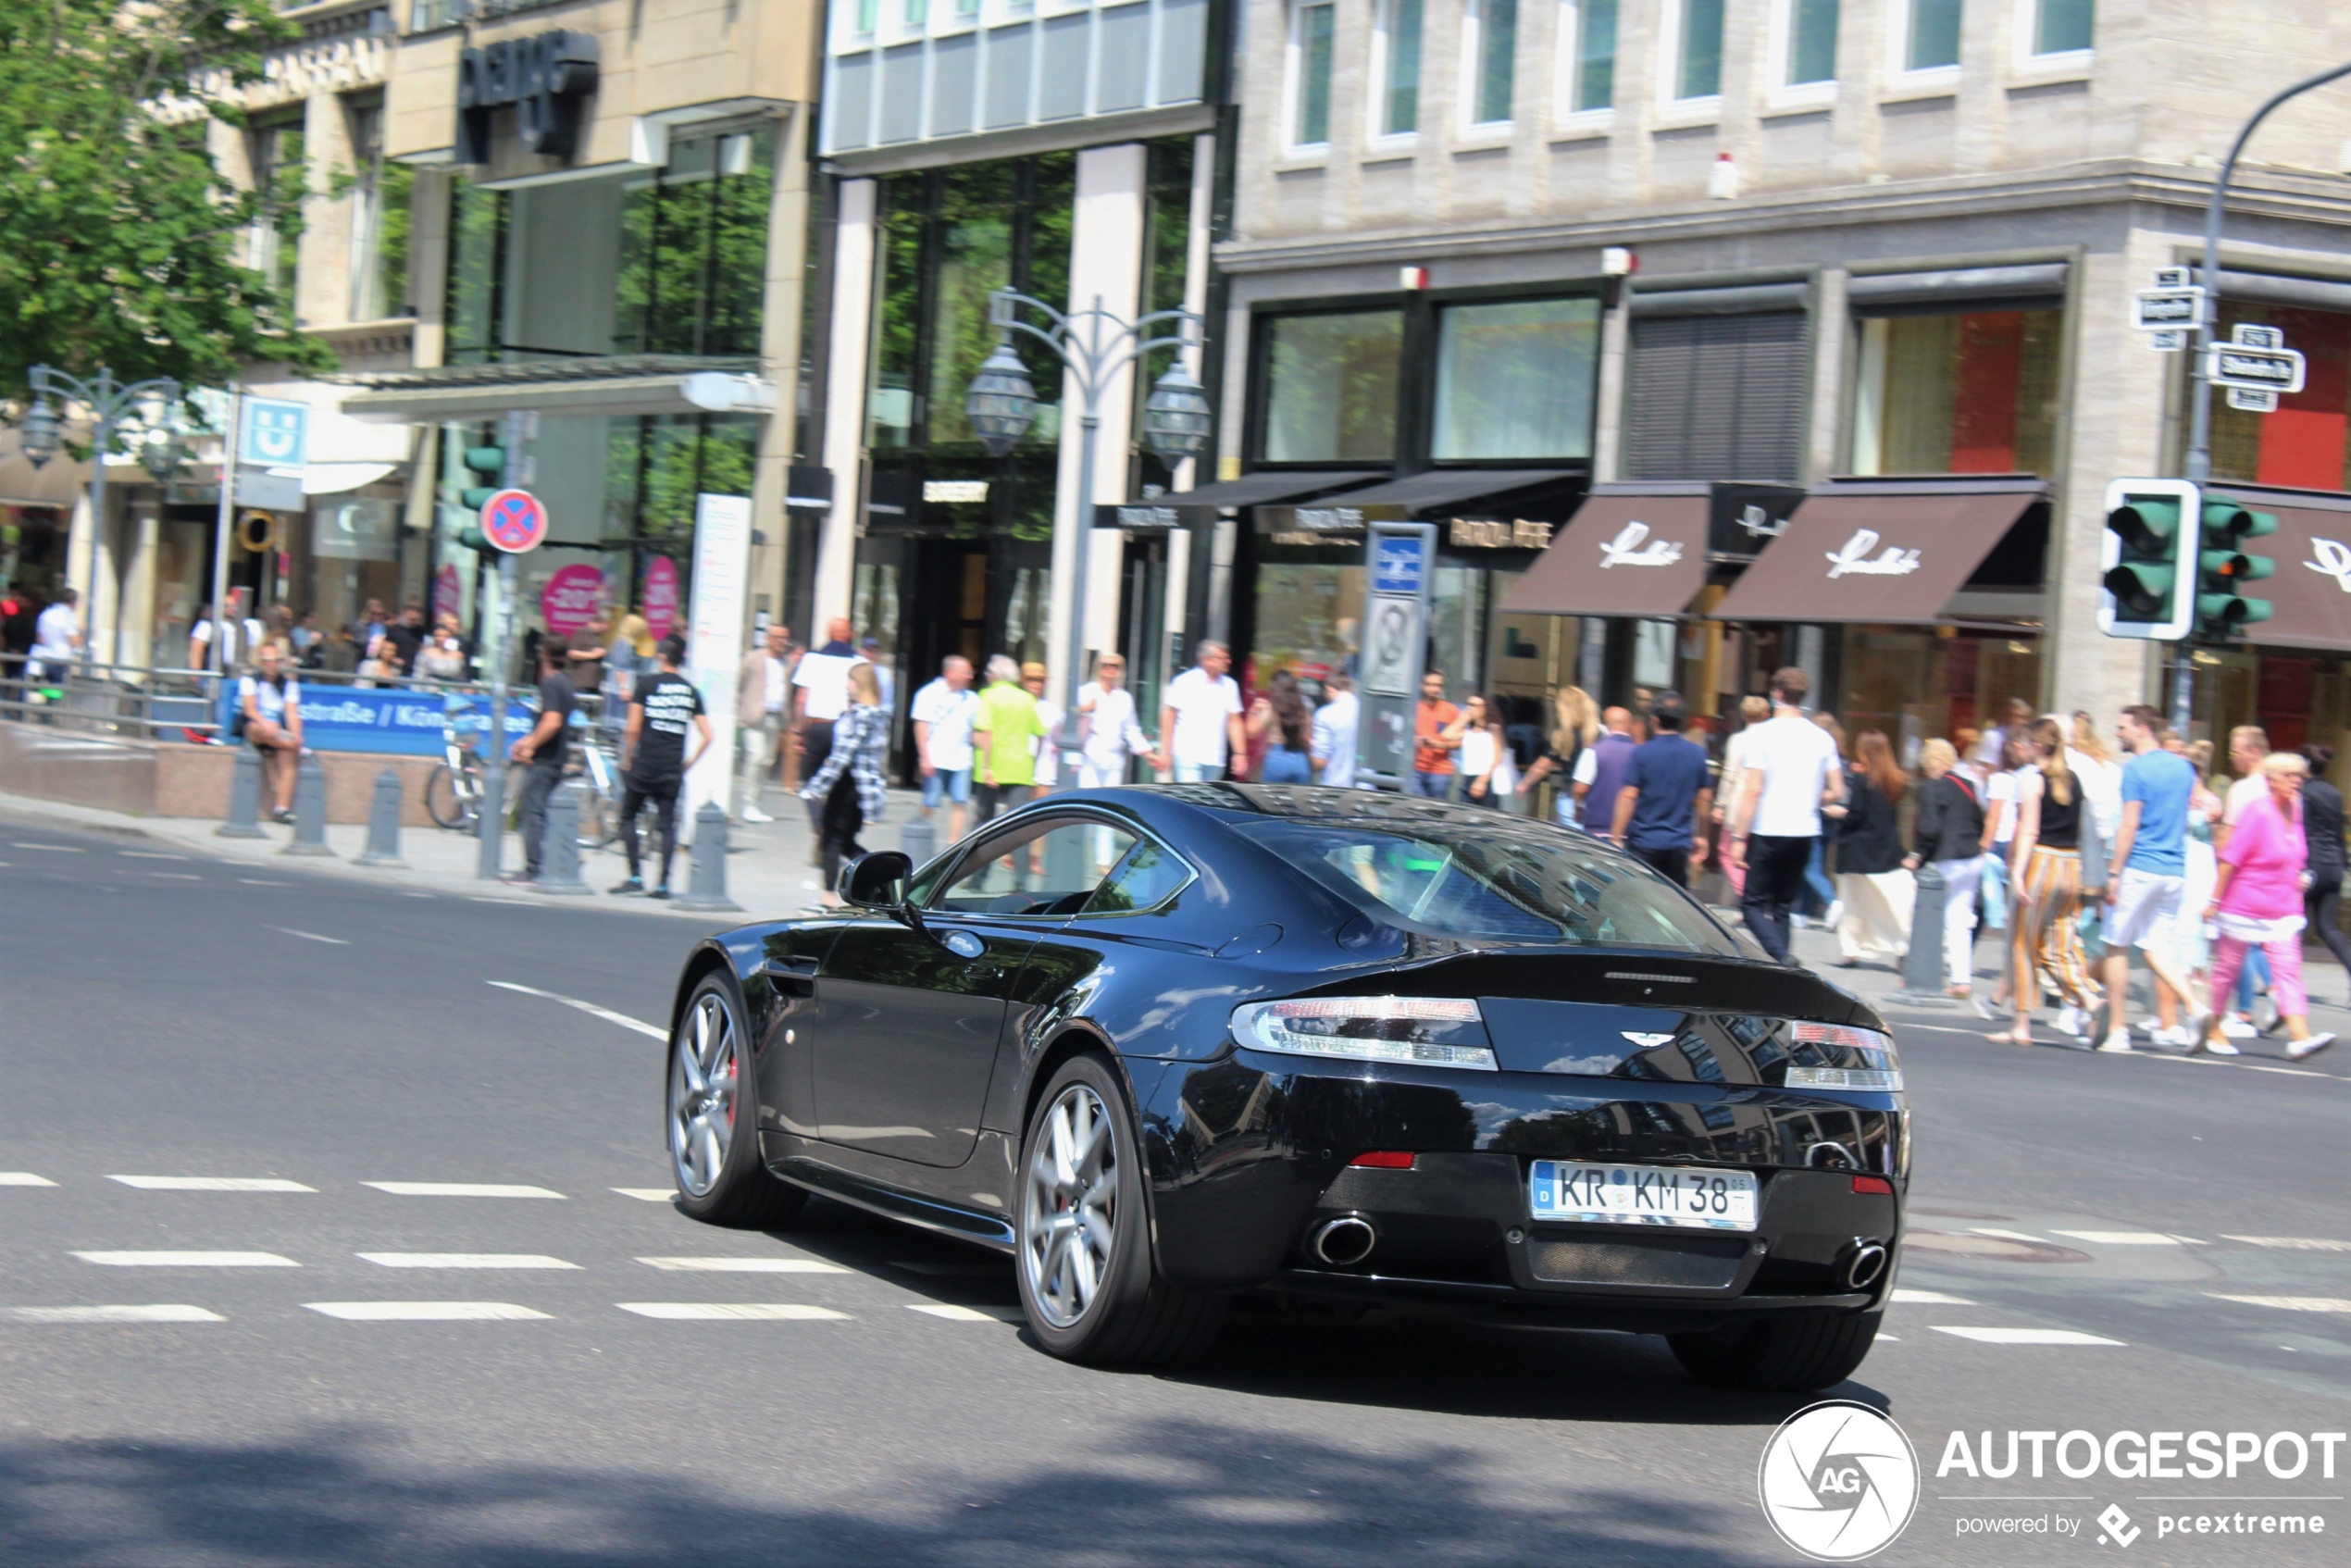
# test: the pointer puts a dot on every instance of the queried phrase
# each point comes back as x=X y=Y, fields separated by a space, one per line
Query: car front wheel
x=1088 y=1281
x=1790 y=1352
x=714 y=1132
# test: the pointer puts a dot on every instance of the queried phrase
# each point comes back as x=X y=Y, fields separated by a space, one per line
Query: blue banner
x=395 y=721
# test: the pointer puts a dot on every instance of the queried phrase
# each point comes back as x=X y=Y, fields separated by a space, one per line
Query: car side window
x=1052 y=866
x=1149 y=877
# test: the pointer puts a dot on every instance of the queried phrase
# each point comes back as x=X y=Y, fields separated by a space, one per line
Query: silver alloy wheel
x=1069 y=1206
x=702 y=1095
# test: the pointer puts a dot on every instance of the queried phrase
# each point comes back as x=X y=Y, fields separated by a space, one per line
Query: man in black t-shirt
x=653 y=760
x=542 y=749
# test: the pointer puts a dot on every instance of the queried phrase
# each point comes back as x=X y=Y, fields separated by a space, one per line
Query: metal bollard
x=559 y=845
x=707 y=887
x=1923 y=965
x=383 y=824
x=244 y=798
x=918 y=839
x=310 y=809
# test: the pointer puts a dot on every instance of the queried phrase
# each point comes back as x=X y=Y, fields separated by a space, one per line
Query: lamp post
x=108 y=400
x=1095 y=346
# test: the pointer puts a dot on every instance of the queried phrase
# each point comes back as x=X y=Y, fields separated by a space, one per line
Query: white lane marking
x=212 y=1184
x=148 y=854
x=177 y=876
x=53 y=849
x=257 y=883
x=160 y=1313
x=481 y=898
x=1928 y=1299
x=2294 y=1243
x=1940 y=1029
x=422 y=1312
x=1888 y=1340
x=459 y=1189
x=983 y=1314
x=2131 y=1237
x=188 y=1260
x=2003 y=1235
x=742 y=1266
x=715 y=1311
x=311 y=936
x=466 y=1260
x=2290 y=1303
x=406 y=895
x=648 y=1194
x=606 y=1013
x=2025 y=1336
x=24 y=1178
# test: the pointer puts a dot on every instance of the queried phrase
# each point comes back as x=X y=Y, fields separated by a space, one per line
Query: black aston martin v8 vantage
x=1165 y=1045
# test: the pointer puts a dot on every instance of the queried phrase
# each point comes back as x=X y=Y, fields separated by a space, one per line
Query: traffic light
x=2148 y=566
x=487 y=463
x=2225 y=566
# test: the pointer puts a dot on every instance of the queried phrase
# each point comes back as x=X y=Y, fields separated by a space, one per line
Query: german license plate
x=1664 y=1195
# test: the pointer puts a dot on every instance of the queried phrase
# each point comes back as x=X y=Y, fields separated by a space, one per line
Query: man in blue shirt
x=1665 y=797
x=2142 y=903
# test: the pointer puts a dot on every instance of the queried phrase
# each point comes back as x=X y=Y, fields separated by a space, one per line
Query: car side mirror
x=876 y=880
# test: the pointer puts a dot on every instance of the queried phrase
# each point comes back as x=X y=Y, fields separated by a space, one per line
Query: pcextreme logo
x=1839 y=1481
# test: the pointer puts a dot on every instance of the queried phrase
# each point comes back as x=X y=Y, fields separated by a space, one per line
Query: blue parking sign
x=275 y=434
x=1400 y=565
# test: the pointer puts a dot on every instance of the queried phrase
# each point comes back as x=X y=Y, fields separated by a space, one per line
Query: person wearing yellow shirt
x=1004 y=732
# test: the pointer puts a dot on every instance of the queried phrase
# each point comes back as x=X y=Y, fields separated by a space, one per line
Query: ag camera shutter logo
x=1838 y=1480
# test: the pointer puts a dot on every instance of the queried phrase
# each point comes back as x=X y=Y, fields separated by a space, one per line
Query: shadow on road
x=1174 y=1492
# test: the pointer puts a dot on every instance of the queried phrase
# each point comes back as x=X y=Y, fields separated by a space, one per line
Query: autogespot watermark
x=1840 y=1482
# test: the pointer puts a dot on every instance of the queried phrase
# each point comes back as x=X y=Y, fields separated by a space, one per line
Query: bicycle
x=452 y=792
x=596 y=762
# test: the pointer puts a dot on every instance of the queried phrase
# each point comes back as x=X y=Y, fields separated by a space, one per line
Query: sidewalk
x=768 y=864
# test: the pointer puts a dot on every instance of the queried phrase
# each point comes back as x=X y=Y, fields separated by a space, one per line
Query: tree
x=121 y=241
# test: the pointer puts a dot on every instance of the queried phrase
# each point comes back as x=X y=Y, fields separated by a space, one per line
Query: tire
x=441 y=801
x=1091 y=1288
x=714 y=1148
x=1795 y=1352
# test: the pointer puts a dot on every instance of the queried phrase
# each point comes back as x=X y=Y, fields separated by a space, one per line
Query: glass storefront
x=1916 y=683
x=2308 y=441
x=1973 y=392
x=1516 y=379
x=1330 y=386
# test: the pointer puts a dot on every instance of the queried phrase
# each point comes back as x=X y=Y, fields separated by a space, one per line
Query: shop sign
x=1853 y=558
x=1323 y=524
x=1634 y=547
x=1476 y=533
x=957 y=493
x=1141 y=519
x=2331 y=558
x=356 y=530
x=570 y=601
x=543 y=75
x=661 y=597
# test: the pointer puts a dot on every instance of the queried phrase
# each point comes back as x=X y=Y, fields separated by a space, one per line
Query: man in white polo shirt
x=1199 y=717
x=820 y=694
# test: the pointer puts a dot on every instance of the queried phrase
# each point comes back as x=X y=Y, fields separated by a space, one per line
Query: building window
x=274 y=244
x=693 y=249
x=1515 y=380
x=1698 y=57
x=1974 y=393
x=378 y=221
x=1490 y=58
x=1312 y=29
x=1589 y=28
x=1711 y=397
x=476 y=306
x=918 y=13
x=2063 y=27
x=1330 y=386
x=1399 y=43
x=2307 y=441
x=1811 y=42
x=1930 y=34
x=868 y=12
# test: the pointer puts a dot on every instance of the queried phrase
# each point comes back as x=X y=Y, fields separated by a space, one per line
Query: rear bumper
x=1249 y=1156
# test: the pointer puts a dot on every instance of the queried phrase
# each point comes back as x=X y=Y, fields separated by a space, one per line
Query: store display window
x=1969 y=393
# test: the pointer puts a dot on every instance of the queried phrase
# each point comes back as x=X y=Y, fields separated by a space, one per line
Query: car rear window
x=1516 y=882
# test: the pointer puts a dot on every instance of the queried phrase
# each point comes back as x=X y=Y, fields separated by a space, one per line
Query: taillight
x=1417 y=1031
x=1875 y=1185
x=1385 y=1160
x=1839 y=1056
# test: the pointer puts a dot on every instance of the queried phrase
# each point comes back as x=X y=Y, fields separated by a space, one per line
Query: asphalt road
x=181 y=1018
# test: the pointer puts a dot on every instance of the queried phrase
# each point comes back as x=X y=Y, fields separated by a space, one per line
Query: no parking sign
x=514 y=520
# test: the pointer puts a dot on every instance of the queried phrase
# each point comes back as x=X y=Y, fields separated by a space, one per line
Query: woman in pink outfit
x=2257 y=899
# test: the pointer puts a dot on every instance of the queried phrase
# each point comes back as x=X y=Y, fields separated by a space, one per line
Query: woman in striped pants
x=2045 y=876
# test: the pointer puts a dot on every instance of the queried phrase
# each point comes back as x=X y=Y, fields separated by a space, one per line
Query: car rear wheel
x=1785 y=1353
x=713 y=1134
x=1088 y=1281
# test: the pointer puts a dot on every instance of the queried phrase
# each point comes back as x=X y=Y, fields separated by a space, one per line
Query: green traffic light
x=486 y=459
x=2141 y=590
x=2145 y=527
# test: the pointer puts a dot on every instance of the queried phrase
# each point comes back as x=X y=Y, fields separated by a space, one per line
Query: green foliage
x=121 y=242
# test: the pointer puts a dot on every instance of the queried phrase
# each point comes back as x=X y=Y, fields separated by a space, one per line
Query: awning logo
x=1839 y=1482
x=1627 y=549
x=1854 y=559
x=2330 y=559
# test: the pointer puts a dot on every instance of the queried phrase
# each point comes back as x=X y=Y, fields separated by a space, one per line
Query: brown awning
x=2310 y=594
x=1620 y=556
x=1890 y=550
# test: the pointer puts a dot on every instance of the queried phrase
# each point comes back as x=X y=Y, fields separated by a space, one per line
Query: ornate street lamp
x=108 y=400
x=1095 y=346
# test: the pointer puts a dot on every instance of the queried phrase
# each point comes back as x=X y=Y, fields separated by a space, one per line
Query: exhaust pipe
x=1864 y=1263
x=1343 y=1242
